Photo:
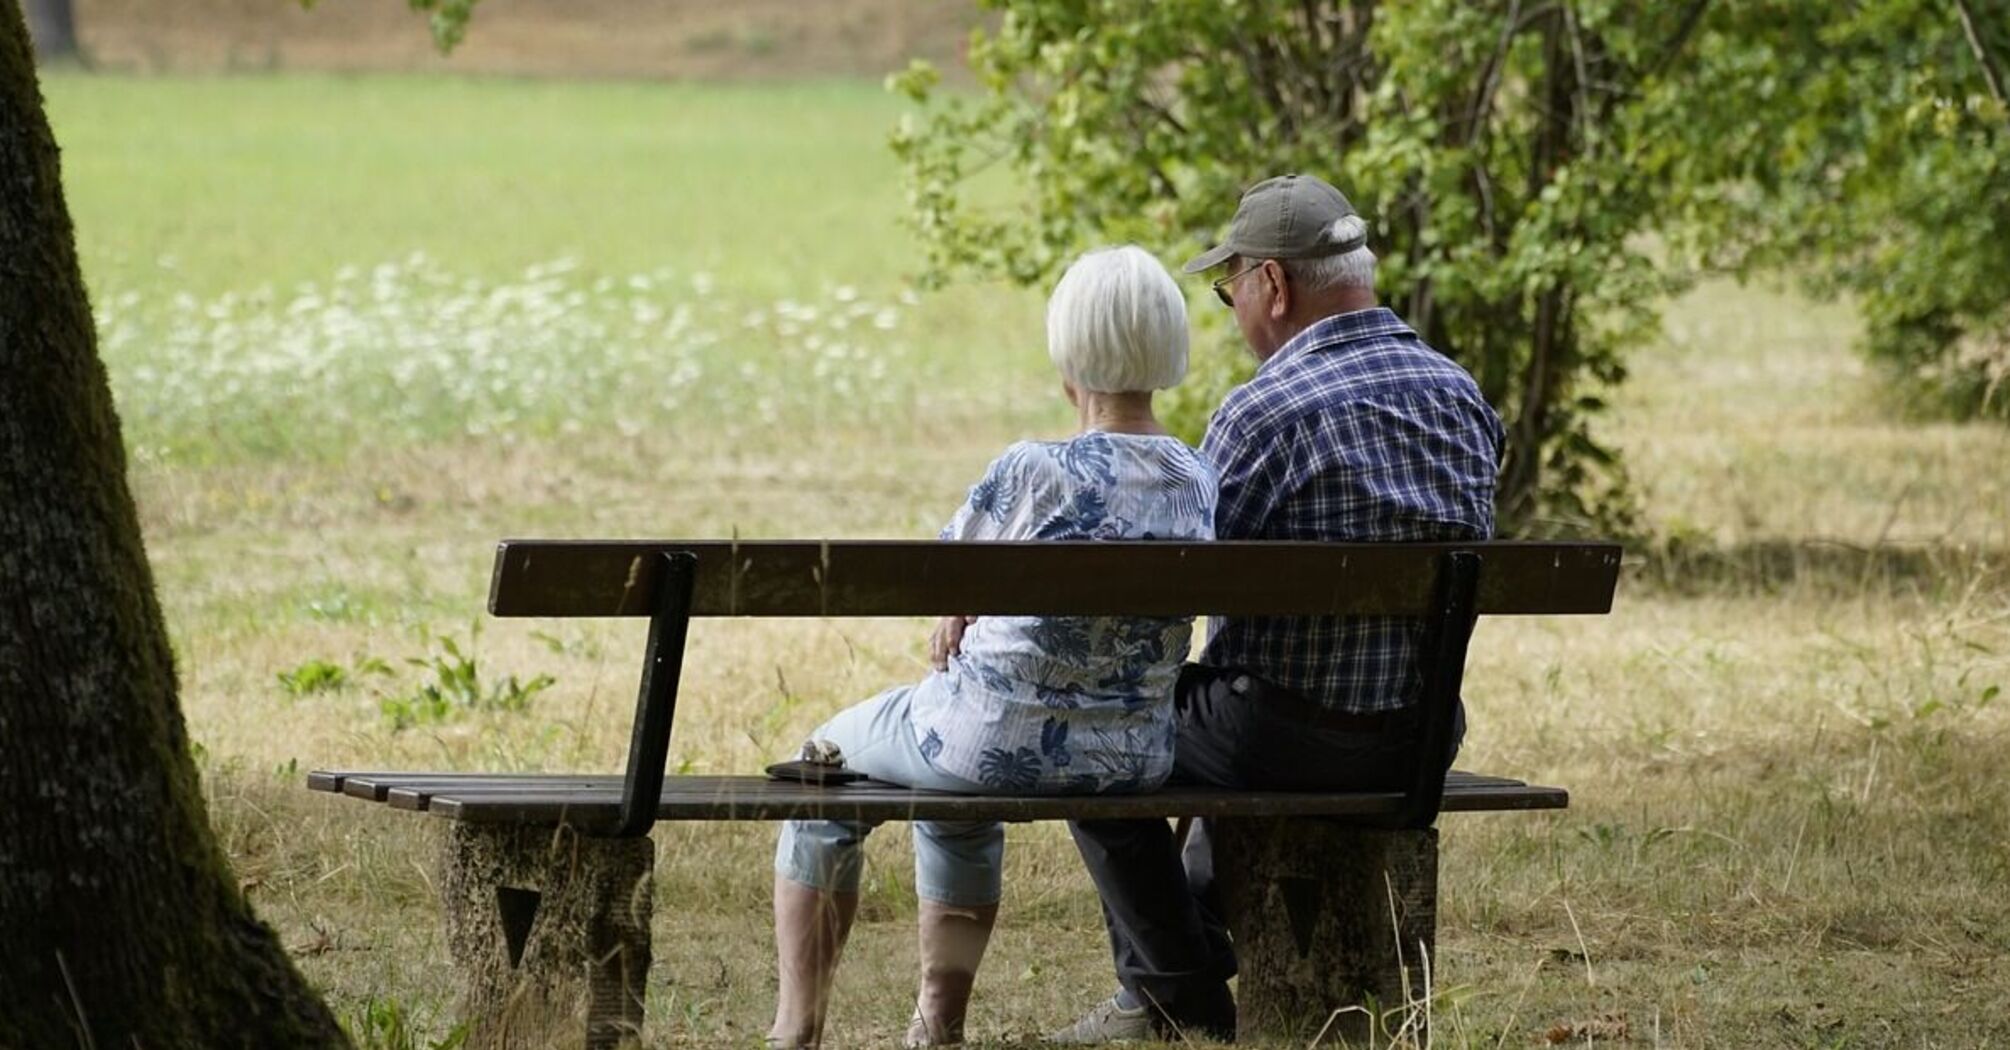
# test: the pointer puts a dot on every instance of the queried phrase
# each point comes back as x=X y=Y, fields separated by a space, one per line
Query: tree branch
x=1160 y=111
x=1672 y=47
x=1490 y=76
x=1990 y=72
x=1583 y=113
x=1670 y=50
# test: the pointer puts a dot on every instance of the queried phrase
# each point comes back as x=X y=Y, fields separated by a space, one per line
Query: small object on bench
x=1333 y=900
x=821 y=764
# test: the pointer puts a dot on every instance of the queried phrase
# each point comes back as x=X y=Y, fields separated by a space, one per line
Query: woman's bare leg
x=952 y=941
x=810 y=930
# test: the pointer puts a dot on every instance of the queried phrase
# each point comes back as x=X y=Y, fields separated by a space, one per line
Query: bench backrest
x=1445 y=585
x=927 y=578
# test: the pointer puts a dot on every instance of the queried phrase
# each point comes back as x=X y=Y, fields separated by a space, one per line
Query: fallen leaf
x=1608 y=1027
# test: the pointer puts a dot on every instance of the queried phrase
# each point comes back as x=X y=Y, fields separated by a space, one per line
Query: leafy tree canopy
x=1869 y=150
x=1541 y=175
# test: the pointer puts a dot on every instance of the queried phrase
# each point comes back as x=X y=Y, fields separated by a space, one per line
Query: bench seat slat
x=922 y=578
x=378 y=787
x=589 y=801
x=390 y=787
x=417 y=793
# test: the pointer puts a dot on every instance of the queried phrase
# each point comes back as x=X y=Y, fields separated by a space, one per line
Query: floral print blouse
x=1063 y=704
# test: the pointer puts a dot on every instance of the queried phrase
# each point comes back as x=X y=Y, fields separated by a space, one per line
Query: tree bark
x=124 y=926
x=52 y=25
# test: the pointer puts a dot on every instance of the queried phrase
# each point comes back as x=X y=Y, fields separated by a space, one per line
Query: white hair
x=1355 y=269
x=1117 y=322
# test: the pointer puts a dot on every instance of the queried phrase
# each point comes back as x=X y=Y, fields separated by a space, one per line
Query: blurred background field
x=360 y=327
x=751 y=39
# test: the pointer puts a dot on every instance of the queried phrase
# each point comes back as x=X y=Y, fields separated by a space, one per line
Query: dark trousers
x=1166 y=931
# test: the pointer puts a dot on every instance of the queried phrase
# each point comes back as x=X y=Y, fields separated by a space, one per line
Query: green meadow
x=359 y=328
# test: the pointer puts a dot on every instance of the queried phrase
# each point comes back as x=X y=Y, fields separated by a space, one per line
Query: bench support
x=656 y=701
x=1329 y=917
x=549 y=934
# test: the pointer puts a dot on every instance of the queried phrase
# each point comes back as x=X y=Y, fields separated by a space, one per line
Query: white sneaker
x=1107 y=1022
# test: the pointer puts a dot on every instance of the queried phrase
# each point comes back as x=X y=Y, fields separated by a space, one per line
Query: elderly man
x=1353 y=429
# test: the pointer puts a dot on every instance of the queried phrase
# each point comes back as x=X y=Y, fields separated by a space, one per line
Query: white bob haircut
x=1116 y=323
x=1355 y=269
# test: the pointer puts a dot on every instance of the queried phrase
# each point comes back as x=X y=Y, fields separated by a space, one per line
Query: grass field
x=359 y=328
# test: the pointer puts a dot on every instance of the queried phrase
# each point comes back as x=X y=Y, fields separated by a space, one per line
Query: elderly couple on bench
x=1351 y=430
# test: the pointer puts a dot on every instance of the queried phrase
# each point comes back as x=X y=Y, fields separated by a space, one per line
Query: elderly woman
x=1018 y=704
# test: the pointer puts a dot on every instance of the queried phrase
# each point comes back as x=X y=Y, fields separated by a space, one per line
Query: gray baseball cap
x=1287 y=217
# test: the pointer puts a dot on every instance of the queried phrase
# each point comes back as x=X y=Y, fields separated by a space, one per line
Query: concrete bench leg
x=1327 y=917
x=549 y=933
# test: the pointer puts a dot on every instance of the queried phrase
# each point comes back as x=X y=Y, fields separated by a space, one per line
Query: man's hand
x=947 y=641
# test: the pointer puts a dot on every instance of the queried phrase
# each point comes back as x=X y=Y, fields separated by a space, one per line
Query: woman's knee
x=959 y=863
x=824 y=854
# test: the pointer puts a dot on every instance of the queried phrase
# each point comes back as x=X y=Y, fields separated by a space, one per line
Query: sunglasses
x=1221 y=287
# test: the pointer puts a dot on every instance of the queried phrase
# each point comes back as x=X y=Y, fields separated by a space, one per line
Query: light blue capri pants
x=958 y=863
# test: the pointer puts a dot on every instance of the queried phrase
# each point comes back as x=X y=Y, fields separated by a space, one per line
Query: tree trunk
x=123 y=924
x=52 y=25
x=1553 y=342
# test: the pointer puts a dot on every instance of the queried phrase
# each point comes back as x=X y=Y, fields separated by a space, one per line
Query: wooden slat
x=920 y=578
x=326 y=779
x=592 y=801
x=417 y=799
x=415 y=787
x=417 y=794
x=377 y=786
x=594 y=810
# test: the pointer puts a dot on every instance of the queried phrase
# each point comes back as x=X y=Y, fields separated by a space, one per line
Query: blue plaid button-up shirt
x=1353 y=431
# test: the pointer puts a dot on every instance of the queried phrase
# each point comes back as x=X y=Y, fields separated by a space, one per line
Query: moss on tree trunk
x=123 y=924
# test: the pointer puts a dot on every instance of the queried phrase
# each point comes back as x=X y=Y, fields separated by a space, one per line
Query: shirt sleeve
x=1022 y=489
x=988 y=511
x=1251 y=478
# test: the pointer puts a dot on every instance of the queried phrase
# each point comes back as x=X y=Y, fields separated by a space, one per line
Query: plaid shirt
x=1354 y=431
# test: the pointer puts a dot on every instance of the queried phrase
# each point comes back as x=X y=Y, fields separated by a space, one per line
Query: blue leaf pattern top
x=1009 y=770
x=1068 y=704
x=1054 y=742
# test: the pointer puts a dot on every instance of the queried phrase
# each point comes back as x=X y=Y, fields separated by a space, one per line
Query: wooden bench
x=1332 y=897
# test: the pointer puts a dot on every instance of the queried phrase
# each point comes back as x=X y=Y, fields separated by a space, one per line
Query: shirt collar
x=1375 y=322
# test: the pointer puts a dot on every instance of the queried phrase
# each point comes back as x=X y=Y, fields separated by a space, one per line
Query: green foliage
x=447 y=19
x=1539 y=175
x=1494 y=148
x=323 y=676
x=1216 y=364
x=383 y=1024
x=1874 y=155
x=313 y=676
x=455 y=686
